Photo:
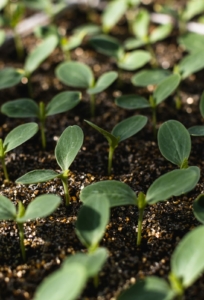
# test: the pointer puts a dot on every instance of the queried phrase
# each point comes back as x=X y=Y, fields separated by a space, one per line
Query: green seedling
x=13 y=14
x=163 y=90
x=185 y=270
x=149 y=77
x=115 y=10
x=174 y=143
x=171 y=184
x=49 y=7
x=69 y=281
x=67 y=43
x=11 y=76
x=15 y=138
x=80 y=75
x=198 y=208
x=198 y=130
x=120 y=132
x=143 y=36
x=41 y=207
x=28 y=108
x=66 y=150
x=92 y=220
x=125 y=60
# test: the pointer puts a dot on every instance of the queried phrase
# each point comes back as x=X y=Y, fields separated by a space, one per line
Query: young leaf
x=107 y=45
x=134 y=60
x=148 y=289
x=198 y=208
x=9 y=77
x=160 y=33
x=37 y=176
x=103 y=82
x=133 y=43
x=75 y=74
x=149 y=77
x=112 y=140
x=68 y=146
x=173 y=183
x=62 y=102
x=193 y=8
x=92 y=262
x=192 y=41
x=117 y=193
x=21 y=108
x=132 y=102
x=201 y=105
x=41 y=207
x=196 y=130
x=66 y=283
x=92 y=220
x=129 y=127
x=187 y=260
x=40 y=53
x=113 y=12
x=140 y=25
x=174 y=142
x=7 y=209
x=166 y=87
x=19 y=135
x=191 y=63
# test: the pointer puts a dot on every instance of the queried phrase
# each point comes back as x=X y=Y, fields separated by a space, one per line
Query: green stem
x=110 y=159
x=2 y=157
x=21 y=236
x=92 y=105
x=177 y=99
x=65 y=186
x=18 y=44
x=42 y=123
x=96 y=281
x=154 y=61
x=139 y=232
x=30 y=89
x=154 y=120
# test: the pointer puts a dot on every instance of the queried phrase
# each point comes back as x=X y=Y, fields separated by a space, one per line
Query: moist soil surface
x=137 y=162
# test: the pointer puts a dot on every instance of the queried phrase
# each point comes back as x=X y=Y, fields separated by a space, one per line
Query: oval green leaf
x=117 y=193
x=129 y=127
x=140 y=26
x=196 y=130
x=9 y=77
x=62 y=102
x=19 y=135
x=37 y=176
x=92 y=220
x=93 y=262
x=103 y=82
x=201 y=105
x=68 y=146
x=40 y=53
x=187 y=260
x=148 y=289
x=192 y=41
x=134 y=60
x=166 y=88
x=198 y=208
x=113 y=12
x=133 y=43
x=191 y=63
x=174 y=142
x=41 y=207
x=7 y=209
x=66 y=283
x=75 y=74
x=132 y=102
x=174 y=183
x=21 y=108
x=149 y=77
x=160 y=33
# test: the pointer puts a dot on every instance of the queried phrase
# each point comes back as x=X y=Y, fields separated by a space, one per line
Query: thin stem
x=177 y=99
x=92 y=105
x=154 y=120
x=21 y=236
x=42 y=123
x=30 y=89
x=65 y=186
x=154 y=61
x=139 y=232
x=4 y=168
x=110 y=159
x=18 y=44
x=96 y=281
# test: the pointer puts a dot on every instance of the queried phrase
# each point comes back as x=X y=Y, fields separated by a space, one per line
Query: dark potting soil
x=137 y=162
